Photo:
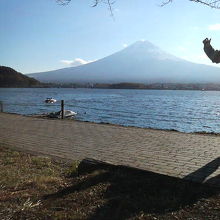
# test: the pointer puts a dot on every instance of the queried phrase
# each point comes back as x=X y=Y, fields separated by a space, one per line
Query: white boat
x=50 y=100
x=67 y=114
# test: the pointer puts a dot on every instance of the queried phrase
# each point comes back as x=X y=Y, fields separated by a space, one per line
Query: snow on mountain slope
x=139 y=62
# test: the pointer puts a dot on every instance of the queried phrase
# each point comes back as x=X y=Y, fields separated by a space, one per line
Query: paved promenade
x=188 y=156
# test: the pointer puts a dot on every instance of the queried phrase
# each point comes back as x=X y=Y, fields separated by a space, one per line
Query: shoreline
x=203 y=87
x=186 y=156
x=42 y=116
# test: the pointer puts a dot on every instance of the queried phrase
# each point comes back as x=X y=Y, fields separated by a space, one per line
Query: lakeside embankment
x=186 y=111
x=47 y=117
x=186 y=156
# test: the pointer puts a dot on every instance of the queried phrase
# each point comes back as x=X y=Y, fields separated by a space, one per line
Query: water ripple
x=187 y=111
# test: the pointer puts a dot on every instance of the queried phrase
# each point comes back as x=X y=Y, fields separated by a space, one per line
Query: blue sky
x=42 y=35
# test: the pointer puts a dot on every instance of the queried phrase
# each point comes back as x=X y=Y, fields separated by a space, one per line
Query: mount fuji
x=140 y=62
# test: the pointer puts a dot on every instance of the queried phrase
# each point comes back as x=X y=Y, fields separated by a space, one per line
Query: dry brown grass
x=38 y=187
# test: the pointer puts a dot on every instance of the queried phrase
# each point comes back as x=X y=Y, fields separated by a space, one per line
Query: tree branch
x=96 y=2
x=166 y=2
x=210 y=3
x=63 y=2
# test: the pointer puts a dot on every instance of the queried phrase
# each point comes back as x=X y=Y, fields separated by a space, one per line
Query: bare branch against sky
x=95 y=3
x=210 y=3
x=63 y=2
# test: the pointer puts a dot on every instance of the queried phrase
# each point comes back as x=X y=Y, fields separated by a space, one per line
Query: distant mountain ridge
x=11 y=78
x=141 y=62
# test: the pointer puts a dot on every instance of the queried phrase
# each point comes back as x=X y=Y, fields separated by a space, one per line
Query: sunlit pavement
x=190 y=156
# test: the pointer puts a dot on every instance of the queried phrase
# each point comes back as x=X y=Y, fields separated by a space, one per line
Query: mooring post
x=1 y=106
x=62 y=109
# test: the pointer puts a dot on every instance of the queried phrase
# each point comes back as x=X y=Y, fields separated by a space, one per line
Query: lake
x=186 y=111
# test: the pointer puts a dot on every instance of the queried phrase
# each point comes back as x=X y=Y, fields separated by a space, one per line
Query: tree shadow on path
x=204 y=172
x=131 y=192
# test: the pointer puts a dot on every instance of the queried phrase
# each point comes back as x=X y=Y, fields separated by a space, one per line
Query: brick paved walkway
x=189 y=156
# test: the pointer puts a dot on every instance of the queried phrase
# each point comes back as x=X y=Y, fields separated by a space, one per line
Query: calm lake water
x=187 y=111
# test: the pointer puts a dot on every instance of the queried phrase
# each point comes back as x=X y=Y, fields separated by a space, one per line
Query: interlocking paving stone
x=191 y=156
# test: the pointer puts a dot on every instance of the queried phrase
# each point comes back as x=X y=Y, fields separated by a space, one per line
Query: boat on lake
x=66 y=114
x=50 y=100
